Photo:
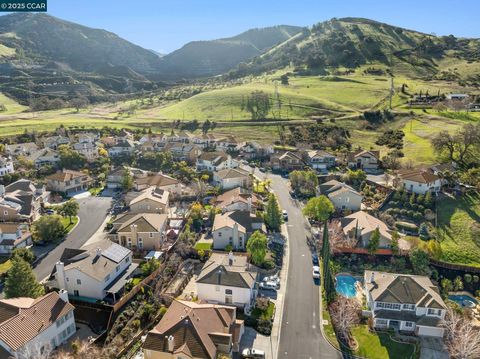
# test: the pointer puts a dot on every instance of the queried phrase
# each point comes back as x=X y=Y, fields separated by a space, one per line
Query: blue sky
x=165 y=25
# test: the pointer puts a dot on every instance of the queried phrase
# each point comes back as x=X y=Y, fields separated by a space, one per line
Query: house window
x=140 y=243
x=433 y=311
x=219 y=234
x=79 y=282
x=409 y=306
x=381 y=322
x=127 y=259
x=117 y=269
x=228 y=291
x=408 y=324
x=151 y=234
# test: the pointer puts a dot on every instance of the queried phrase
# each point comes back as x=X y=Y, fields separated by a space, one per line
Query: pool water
x=463 y=300
x=345 y=285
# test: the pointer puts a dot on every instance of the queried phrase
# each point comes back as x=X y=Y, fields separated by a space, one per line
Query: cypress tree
x=328 y=284
x=21 y=281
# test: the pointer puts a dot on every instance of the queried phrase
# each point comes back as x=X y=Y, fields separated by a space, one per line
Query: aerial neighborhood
x=286 y=193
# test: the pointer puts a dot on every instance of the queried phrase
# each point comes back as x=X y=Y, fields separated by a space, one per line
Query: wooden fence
x=459 y=267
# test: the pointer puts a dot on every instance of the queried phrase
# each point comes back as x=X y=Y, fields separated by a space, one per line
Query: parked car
x=315 y=260
x=285 y=215
x=49 y=211
x=251 y=353
x=268 y=286
x=316 y=272
x=272 y=279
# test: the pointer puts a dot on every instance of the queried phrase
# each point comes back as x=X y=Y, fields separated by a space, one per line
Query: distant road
x=300 y=336
x=92 y=213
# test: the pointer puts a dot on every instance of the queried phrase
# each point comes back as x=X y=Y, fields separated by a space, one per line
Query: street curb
x=75 y=226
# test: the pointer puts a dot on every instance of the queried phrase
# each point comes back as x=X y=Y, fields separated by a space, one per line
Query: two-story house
x=142 y=231
x=21 y=149
x=159 y=180
x=195 y=330
x=87 y=149
x=184 y=152
x=237 y=199
x=369 y=161
x=420 y=181
x=341 y=195
x=6 y=166
x=32 y=327
x=96 y=271
x=234 y=228
x=67 y=181
x=228 y=279
x=21 y=201
x=232 y=178
x=44 y=157
x=287 y=161
x=12 y=236
x=54 y=142
x=320 y=160
x=122 y=147
x=150 y=200
x=361 y=225
x=215 y=161
x=405 y=302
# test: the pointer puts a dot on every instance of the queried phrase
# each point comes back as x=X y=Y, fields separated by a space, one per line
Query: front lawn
x=203 y=246
x=5 y=264
x=379 y=345
x=67 y=226
x=459 y=229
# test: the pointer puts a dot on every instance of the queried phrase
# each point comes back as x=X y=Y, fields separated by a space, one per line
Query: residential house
x=88 y=137
x=53 y=142
x=6 y=166
x=232 y=178
x=361 y=225
x=237 y=199
x=115 y=177
x=228 y=144
x=153 y=138
x=66 y=181
x=12 y=236
x=215 y=161
x=228 y=279
x=150 y=200
x=122 y=147
x=184 y=152
x=21 y=201
x=141 y=231
x=287 y=161
x=254 y=150
x=87 y=149
x=341 y=195
x=409 y=303
x=96 y=271
x=205 y=140
x=21 y=149
x=29 y=327
x=194 y=330
x=234 y=229
x=369 y=161
x=125 y=135
x=44 y=157
x=320 y=160
x=420 y=181
x=457 y=96
x=159 y=180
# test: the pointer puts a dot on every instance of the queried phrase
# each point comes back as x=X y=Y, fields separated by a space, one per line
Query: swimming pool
x=463 y=300
x=345 y=285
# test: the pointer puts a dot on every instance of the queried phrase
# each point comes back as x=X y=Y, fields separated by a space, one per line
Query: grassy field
x=459 y=224
x=12 y=106
x=379 y=345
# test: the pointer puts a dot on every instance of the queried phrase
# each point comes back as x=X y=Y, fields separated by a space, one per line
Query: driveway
x=300 y=336
x=92 y=213
x=432 y=348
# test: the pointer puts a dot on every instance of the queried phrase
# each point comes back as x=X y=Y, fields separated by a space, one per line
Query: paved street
x=93 y=211
x=300 y=336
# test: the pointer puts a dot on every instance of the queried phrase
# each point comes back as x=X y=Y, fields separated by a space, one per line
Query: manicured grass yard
x=459 y=224
x=5 y=264
x=67 y=225
x=379 y=345
x=204 y=246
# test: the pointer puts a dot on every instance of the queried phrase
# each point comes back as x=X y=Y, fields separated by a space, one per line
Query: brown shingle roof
x=235 y=195
x=158 y=180
x=232 y=173
x=196 y=329
x=145 y=222
x=419 y=176
x=32 y=317
x=66 y=175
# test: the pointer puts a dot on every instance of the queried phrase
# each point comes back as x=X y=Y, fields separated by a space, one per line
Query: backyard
x=459 y=229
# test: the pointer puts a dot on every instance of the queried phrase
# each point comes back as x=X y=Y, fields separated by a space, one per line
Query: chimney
x=235 y=234
x=171 y=343
x=63 y=294
x=230 y=258
x=60 y=267
x=98 y=252
x=249 y=203
x=372 y=278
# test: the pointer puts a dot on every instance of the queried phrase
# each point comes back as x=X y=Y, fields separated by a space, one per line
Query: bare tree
x=461 y=337
x=338 y=239
x=34 y=350
x=345 y=313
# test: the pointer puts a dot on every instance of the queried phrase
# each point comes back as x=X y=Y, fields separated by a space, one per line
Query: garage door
x=429 y=331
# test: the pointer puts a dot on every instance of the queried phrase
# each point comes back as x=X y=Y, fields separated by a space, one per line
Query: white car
x=272 y=279
x=253 y=354
x=269 y=286
x=285 y=215
x=316 y=272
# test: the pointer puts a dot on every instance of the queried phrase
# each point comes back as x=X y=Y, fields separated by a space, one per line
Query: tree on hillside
x=71 y=159
x=304 y=182
x=355 y=178
x=420 y=262
x=69 y=209
x=48 y=229
x=318 y=208
x=258 y=104
x=79 y=102
x=284 y=79
x=461 y=337
x=374 y=241
x=257 y=247
x=461 y=147
x=273 y=215
x=21 y=281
